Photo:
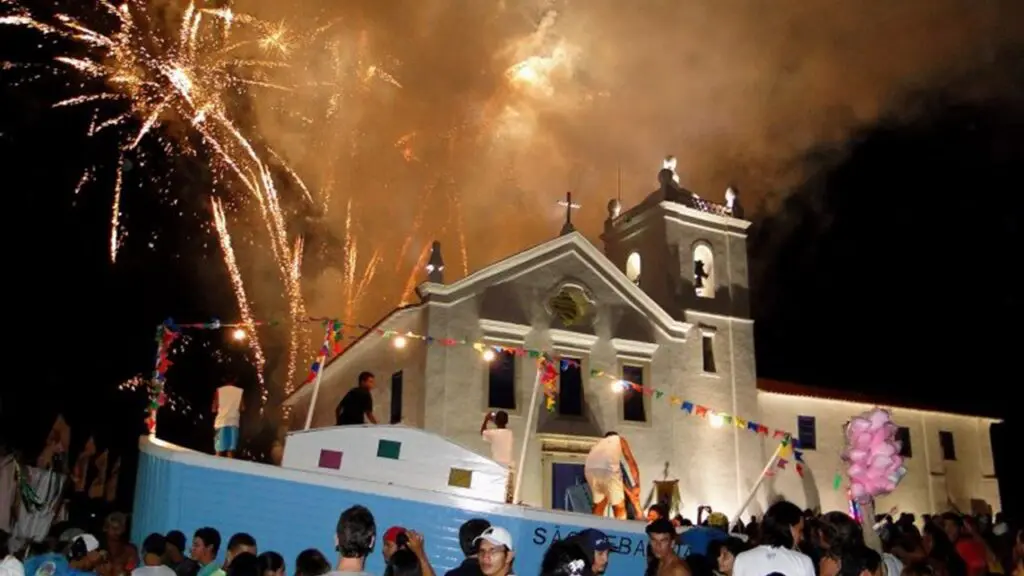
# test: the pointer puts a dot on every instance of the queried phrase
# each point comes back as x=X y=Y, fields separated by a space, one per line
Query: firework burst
x=160 y=79
x=187 y=76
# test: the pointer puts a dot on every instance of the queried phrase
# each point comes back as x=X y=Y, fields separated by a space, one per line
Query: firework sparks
x=183 y=78
x=115 y=217
x=221 y=224
x=297 y=311
x=175 y=403
x=169 y=85
x=355 y=284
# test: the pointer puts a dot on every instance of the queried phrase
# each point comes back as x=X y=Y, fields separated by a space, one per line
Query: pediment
x=527 y=288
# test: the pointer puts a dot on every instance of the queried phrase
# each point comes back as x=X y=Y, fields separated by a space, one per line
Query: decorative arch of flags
x=549 y=365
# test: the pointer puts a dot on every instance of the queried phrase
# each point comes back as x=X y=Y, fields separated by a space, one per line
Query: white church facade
x=664 y=304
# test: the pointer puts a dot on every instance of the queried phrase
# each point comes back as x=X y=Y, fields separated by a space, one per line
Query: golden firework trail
x=221 y=225
x=115 y=217
x=297 y=311
x=456 y=210
x=355 y=283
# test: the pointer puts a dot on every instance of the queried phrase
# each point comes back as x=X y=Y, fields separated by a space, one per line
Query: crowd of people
x=786 y=541
x=792 y=542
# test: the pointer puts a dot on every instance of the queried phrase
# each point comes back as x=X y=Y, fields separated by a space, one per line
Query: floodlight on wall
x=399 y=342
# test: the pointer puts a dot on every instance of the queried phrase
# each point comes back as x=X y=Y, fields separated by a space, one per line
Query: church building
x=663 y=305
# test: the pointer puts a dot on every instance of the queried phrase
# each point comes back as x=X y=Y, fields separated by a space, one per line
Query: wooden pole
x=316 y=392
x=527 y=433
x=760 y=479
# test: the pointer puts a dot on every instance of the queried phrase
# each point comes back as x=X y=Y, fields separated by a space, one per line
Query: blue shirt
x=47 y=565
x=697 y=539
x=210 y=569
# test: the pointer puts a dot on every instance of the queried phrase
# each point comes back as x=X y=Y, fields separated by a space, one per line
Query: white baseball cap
x=82 y=545
x=496 y=535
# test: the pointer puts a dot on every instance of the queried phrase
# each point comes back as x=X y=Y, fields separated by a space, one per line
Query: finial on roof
x=435 y=266
x=568 y=228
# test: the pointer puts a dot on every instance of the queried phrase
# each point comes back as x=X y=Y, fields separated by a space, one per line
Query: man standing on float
x=603 y=470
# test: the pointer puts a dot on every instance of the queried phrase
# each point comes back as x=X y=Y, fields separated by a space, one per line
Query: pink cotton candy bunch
x=873 y=455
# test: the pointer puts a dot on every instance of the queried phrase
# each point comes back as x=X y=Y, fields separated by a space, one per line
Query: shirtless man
x=662 y=537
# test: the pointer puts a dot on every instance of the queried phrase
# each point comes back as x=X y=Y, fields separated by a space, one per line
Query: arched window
x=633 y=267
x=703 y=270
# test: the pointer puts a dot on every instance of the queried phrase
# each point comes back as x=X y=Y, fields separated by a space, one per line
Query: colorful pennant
x=549 y=365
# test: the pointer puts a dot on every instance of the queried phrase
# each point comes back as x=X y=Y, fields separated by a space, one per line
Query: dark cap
x=661 y=526
x=595 y=540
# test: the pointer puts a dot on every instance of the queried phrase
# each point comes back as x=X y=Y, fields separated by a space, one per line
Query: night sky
x=891 y=265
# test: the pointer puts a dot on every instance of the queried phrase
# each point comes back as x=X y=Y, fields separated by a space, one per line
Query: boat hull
x=290 y=510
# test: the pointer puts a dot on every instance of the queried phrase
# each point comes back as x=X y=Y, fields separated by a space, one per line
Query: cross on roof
x=569 y=207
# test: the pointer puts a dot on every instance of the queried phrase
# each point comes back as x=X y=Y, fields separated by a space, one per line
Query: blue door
x=568 y=484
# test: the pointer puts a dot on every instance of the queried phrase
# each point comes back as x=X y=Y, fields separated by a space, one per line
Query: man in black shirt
x=357 y=405
x=469 y=535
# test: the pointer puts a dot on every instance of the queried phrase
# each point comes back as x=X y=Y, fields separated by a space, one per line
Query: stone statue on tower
x=670 y=163
x=732 y=202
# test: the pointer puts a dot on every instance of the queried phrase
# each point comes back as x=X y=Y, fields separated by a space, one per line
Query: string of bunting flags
x=167 y=333
x=549 y=365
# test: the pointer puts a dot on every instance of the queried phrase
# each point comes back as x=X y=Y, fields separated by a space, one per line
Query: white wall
x=425 y=460
x=378 y=355
x=922 y=491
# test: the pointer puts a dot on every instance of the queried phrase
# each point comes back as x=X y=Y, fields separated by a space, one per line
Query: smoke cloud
x=466 y=122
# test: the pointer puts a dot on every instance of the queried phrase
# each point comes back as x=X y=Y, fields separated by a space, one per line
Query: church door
x=568 y=487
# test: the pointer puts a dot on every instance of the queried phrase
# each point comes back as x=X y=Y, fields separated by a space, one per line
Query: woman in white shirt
x=781 y=531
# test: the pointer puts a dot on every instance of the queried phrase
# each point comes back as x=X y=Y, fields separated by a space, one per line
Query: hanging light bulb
x=239 y=335
x=400 y=342
x=619 y=386
x=716 y=420
x=488 y=355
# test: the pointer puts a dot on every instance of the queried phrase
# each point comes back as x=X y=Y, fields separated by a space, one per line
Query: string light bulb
x=488 y=355
x=400 y=342
x=239 y=335
x=716 y=420
x=619 y=386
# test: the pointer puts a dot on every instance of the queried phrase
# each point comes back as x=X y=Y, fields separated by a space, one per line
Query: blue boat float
x=406 y=476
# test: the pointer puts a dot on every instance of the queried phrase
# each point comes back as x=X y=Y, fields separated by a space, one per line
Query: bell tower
x=690 y=256
x=685 y=252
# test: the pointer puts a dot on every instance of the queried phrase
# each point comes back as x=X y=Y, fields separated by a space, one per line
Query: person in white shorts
x=228 y=406
x=604 y=475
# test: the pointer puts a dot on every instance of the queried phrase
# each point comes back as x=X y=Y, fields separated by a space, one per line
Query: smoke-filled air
x=356 y=132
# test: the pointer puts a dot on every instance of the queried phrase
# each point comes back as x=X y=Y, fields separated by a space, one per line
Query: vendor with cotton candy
x=874 y=464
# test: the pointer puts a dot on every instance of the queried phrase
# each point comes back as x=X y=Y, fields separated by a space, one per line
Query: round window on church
x=633 y=267
x=570 y=305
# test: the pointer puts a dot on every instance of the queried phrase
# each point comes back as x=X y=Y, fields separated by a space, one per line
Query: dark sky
x=891 y=266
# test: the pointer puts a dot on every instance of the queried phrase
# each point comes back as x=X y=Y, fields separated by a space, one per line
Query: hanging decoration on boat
x=165 y=337
x=167 y=334
x=332 y=346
